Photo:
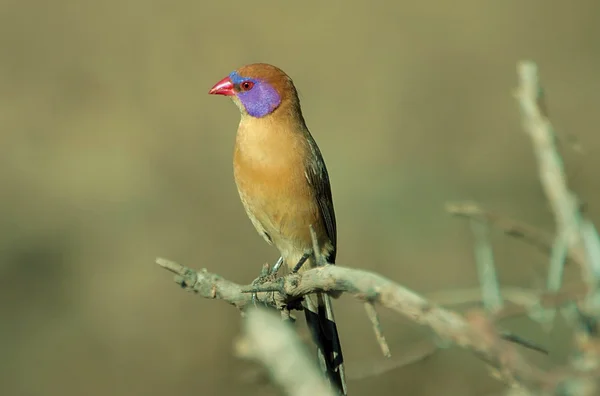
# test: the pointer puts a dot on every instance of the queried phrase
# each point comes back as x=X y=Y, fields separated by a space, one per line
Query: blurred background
x=112 y=154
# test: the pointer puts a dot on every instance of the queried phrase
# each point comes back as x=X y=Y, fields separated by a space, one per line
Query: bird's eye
x=246 y=85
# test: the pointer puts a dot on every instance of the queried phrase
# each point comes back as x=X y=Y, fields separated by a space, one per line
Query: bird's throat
x=266 y=142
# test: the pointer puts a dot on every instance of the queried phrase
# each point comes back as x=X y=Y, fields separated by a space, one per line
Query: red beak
x=223 y=87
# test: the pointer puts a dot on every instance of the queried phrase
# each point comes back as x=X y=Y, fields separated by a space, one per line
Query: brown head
x=259 y=90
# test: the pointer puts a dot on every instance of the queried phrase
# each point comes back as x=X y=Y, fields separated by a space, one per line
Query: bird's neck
x=269 y=140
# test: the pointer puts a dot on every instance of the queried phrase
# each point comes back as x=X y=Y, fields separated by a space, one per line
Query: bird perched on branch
x=284 y=186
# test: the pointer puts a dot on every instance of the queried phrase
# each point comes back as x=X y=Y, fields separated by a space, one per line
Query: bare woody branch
x=539 y=305
x=473 y=332
x=574 y=231
x=552 y=176
x=208 y=285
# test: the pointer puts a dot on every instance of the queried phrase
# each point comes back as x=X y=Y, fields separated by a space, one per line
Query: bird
x=284 y=187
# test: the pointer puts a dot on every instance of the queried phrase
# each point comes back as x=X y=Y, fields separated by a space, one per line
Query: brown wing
x=316 y=173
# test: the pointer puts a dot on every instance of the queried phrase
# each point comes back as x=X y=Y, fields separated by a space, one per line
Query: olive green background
x=112 y=153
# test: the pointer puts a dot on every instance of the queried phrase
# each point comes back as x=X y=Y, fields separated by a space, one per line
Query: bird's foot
x=267 y=274
x=262 y=278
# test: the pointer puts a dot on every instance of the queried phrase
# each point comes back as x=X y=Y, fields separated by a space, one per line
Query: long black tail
x=321 y=322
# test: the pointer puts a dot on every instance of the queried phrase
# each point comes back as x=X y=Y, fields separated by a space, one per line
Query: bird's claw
x=267 y=274
x=257 y=282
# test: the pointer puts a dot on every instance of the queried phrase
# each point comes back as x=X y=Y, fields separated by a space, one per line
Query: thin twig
x=558 y=256
x=374 y=318
x=484 y=258
x=554 y=281
x=413 y=352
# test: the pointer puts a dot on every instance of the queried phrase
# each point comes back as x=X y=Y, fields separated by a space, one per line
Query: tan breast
x=269 y=169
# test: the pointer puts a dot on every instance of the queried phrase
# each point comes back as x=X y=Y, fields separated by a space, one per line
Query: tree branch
x=473 y=332
x=577 y=233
